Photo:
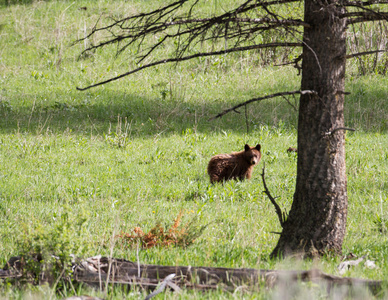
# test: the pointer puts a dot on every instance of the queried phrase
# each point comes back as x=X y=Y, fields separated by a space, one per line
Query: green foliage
x=47 y=250
x=5 y=107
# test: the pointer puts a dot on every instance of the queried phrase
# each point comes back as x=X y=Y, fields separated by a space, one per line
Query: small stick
x=277 y=207
x=246 y=119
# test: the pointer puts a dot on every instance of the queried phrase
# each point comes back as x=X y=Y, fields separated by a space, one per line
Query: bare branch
x=202 y=54
x=272 y=199
x=297 y=22
x=239 y=28
x=260 y=99
x=237 y=25
x=164 y=10
x=364 y=16
x=287 y=22
x=368 y=15
x=364 y=53
x=363 y=3
x=362 y=20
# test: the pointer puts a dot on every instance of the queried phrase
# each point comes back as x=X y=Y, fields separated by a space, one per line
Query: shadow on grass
x=17 y=2
x=98 y=113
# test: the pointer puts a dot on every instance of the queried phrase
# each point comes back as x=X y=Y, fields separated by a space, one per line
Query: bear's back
x=228 y=166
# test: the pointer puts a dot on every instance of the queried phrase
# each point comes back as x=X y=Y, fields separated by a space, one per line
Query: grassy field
x=79 y=168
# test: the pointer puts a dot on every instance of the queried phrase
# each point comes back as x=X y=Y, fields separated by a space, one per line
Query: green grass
x=81 y=167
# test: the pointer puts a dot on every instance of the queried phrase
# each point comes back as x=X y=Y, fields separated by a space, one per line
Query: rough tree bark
x=317 y=219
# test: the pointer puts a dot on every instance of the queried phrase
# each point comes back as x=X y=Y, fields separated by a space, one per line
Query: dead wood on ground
x=100 y=271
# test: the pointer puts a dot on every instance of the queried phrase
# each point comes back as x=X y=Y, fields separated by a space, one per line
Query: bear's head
x=252 y=154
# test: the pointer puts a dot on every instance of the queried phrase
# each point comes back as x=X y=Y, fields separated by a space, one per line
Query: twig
x=138 y=260
x=294 y=62
x=288 y=101
x=272 y=199
x=59 y=278
x=260 y=99
x=246 y=119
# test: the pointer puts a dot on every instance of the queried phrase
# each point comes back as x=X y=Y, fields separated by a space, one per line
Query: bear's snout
x=253 y=161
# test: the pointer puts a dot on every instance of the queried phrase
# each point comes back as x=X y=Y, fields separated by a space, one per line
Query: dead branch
x=366 y=13
x=369 y=14
x=260 y=99
x=138 y=30
x=359 y=17
x=238 y=26
x=195 y=31
x=137 y=27
x=363 y=3
x=289 y=102
x=206 y=278
x=364 y=53
x=268 y=20
x=94 y=270
x=202 y=54
x=156 y=15
x=246 y=118
x=278 y=210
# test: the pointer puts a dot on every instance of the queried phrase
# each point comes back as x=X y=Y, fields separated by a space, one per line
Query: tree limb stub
x=202 y=54
x=339 y=128
x=260 y=99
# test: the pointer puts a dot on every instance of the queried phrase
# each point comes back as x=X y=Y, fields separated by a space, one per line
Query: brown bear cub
x=237 y=165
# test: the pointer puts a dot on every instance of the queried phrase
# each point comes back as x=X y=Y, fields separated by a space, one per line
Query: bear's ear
x=258 y=147
x=247 y=148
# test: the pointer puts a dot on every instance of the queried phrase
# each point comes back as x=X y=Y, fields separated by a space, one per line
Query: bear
x=237 y=165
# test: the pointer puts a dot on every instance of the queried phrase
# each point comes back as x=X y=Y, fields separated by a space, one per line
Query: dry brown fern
x=180 y=235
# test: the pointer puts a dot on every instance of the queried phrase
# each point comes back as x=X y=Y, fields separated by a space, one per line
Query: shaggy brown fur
x=237 y=165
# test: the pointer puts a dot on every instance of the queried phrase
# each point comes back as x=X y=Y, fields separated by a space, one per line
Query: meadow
x=77 y=169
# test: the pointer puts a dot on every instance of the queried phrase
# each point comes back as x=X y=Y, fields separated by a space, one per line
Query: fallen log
x=99 y=272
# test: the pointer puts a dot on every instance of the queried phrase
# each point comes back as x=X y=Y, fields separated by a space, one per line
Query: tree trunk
x=317 y=219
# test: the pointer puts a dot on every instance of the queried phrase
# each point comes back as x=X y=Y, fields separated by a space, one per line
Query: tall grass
x=84 y=166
